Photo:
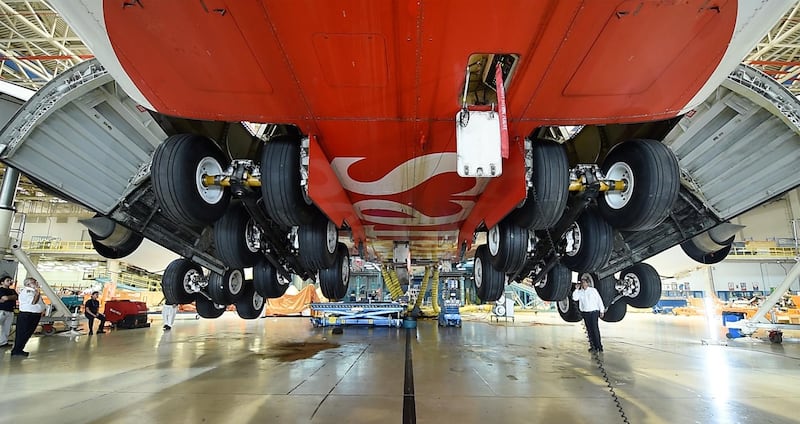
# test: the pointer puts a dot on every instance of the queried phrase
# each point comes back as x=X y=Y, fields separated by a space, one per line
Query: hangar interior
x=676 y=362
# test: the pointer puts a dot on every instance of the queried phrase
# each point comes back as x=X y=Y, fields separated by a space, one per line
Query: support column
x=8 y=190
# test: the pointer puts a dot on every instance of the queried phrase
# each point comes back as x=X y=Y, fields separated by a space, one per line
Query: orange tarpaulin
x=290 y=304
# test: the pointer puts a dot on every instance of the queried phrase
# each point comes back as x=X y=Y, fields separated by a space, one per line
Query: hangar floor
x=285 y=371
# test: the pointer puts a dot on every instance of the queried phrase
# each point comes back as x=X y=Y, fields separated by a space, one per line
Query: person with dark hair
x=8 y=299
x=92 y=310
x=31 y=307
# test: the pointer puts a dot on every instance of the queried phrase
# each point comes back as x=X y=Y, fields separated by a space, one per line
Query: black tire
x=335 y=280
x=615 y=312
x=117 y=251
x=607 y=289
x=251 y=304
x=283 y=196
x=490 y=282
x=207 y=308
x=708 y=258
x=267 y=282
x=645 y=283
x=568 y=309
x=226 y=289
x=231 y=234
x=176 y=281
x=176 y=165
x=593 y=243
x=556 y=285
x=550 y=179
x=318 y=241
x=653 y=170
x=508 y=246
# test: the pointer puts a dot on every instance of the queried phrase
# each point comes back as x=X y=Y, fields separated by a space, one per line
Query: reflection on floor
x=284 y=370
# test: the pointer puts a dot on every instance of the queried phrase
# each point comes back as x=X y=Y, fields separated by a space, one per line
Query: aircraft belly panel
x=304 y=61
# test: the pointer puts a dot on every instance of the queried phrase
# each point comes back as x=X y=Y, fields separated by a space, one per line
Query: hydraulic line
x=390 y=278
x=423 y=288
x=435 y=291
x=598 y=359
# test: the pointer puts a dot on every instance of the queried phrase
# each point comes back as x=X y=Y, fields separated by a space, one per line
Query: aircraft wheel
x=708 y=258
x=179 y=164
x=555 y=286
x=568 y=309
x=237 y=238
x=318 y=244
x=226 y=289
x=124 y=248
x=590 y=242
x=651 y=172
x=508 y=246
x=251 y=304
x=607 y=287
x=489 y=281
x=179 y=281
x=267 y=282
x=615 y=312
x=642 y=285
x=284 y=198
x=550 y=178
x=335 y=280
x=206 y=308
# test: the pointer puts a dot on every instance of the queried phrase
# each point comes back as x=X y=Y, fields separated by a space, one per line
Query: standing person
x=592 y=308
x=92 y=310
x=168 y=315
x=8 y=299
x=31 y=307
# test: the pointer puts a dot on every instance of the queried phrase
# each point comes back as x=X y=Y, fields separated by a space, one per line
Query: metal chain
x=599 y=361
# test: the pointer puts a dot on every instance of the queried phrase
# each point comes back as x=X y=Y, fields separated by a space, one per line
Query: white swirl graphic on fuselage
x=415 y=218
x=404 y=177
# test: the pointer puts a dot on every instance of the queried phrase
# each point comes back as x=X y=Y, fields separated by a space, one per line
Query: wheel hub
x=258 y=301
x=573 y=238
x=191 y=281
x=210 y=194
x=252 y=236
x=620 y=171
x=493 y=240
x=478 y=272
x=629 y=285
x=235 y=282
x=563 y=305
x=331 y=237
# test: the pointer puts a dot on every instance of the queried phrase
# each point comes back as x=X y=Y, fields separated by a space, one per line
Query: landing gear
x=508 y=246
x=317 y=243
x=267 y=282
x=642 y=285
x=111 y=240
x=251 y=304
x=550 y=180
x=569 y=309
x=207 y=308
x=652 y=176
x=284 y=195
x=693 y=251
x=180 y=281
x=227 y=288
x=335 y=280
x=489 y=281
x=237 y=238
x=615 y=312
x=179 y=165
x=589 y=242
x=556 y=284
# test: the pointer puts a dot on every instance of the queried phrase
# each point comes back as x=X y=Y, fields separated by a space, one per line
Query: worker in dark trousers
x=592 y=308
x=31 y=307
x=92 y=310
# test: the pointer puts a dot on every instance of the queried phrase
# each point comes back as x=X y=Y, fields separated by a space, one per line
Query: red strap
x=501 y=108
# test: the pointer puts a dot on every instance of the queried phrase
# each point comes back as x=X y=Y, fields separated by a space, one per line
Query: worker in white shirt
x=31 y=308
x=592 y=308
x=168 y=315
